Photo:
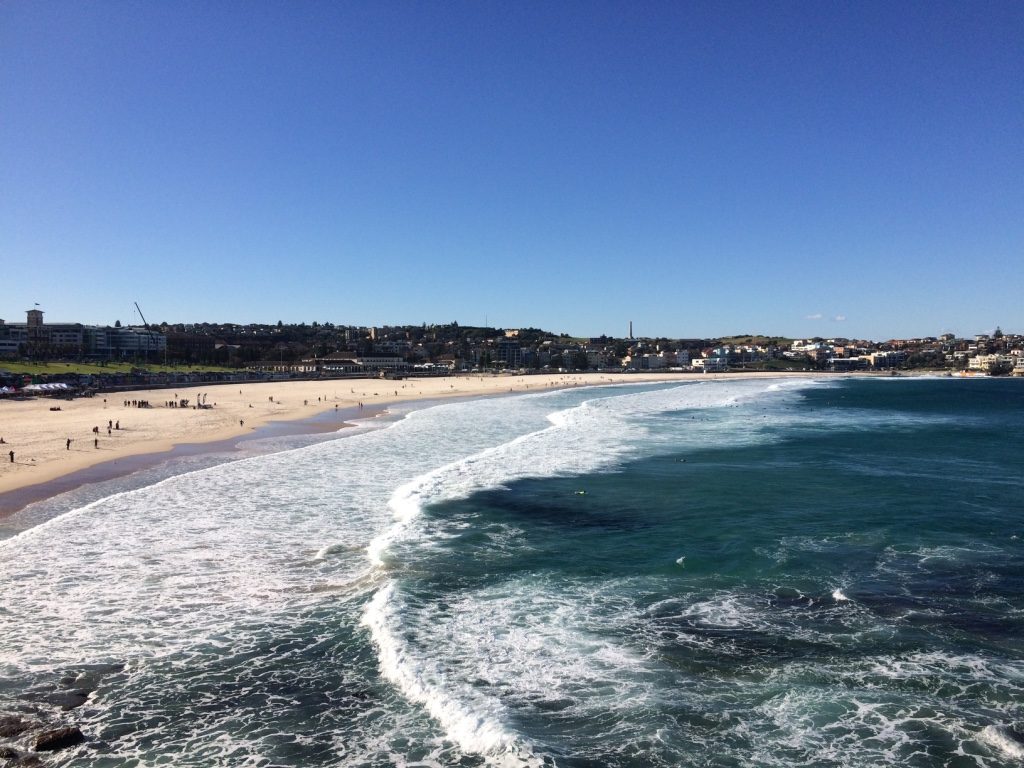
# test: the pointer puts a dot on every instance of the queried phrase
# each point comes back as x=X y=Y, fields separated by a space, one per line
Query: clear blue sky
x=809 y=168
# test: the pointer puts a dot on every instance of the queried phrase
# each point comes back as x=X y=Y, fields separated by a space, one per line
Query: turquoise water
x=717 y=573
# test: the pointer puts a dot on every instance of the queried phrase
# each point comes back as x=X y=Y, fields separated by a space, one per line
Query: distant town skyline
x=327 y=349
x=629 y=331
x=701 y=169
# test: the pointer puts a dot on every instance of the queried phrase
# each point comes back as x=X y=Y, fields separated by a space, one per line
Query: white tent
x=45 y=388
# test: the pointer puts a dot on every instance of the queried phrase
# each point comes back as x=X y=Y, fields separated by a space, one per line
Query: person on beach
x=11 y=454
x=117 y=425
x=67 y=445
x=95 y=442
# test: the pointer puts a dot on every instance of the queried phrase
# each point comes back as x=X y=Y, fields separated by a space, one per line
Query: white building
x=646 y=362
x=988 y=362
x=710 y=364
x=381 y=363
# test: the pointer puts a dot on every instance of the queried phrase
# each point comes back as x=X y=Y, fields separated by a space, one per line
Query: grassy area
x=52 y=368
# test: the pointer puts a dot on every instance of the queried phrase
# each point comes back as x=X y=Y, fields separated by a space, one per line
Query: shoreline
x=46 y=465
x=17 y=499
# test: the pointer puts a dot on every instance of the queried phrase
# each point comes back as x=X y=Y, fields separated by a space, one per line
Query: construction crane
x=145 y=325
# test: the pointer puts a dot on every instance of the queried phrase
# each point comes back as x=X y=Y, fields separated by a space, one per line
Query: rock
x=58 y=738
x=68 y=700
x=11 y=725
x=23 y=761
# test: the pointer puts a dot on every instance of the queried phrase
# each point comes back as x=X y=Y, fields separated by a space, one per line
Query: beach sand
x=38 y=435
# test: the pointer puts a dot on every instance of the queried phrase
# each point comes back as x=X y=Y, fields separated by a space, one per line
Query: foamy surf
x=516 y=621
x=475 y=732
x=612 y=428
x=1006 y=741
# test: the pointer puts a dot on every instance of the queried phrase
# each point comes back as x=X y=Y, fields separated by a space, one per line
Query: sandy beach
x=103 y=429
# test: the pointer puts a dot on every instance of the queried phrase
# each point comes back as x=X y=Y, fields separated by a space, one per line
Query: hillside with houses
x=326 y=349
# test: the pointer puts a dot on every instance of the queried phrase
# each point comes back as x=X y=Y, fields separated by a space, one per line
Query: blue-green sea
x=751 y=572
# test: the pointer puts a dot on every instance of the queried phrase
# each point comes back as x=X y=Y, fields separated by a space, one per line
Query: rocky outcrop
x=35 y=725
x=68 y=700
x=17 y=760
x=12 y=725
x=58 y=738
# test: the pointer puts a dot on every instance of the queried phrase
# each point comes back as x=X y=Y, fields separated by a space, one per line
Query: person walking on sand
x=95 y=442
x=11 y=454
x=67 y=445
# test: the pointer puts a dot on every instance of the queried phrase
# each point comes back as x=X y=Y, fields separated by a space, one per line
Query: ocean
x=716 y=573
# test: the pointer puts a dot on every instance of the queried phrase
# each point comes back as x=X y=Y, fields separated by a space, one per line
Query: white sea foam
x=473 y=731
x=837 y=720
x=1006 y=742
x=151 y=571
x=510 y=651
x=725 y=611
